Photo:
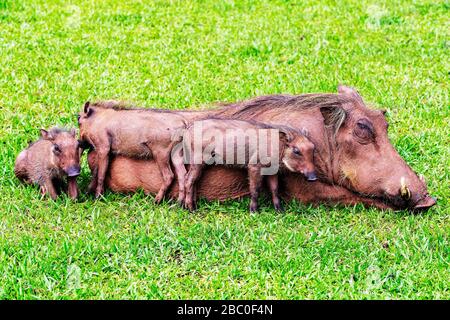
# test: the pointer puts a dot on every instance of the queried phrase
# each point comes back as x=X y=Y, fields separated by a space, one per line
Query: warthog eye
x=56 y=149
x=364 y=130
x=296 y=151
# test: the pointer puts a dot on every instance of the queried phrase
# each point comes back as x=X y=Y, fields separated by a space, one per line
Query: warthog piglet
x=48 y=160
x=113 y=129
x=258 y=147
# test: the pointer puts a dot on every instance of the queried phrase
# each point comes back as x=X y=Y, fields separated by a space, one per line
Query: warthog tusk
x=422 y=178
x=404 y=191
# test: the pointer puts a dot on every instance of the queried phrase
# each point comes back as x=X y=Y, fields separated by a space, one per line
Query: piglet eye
x=296 y=151
x=56 y=149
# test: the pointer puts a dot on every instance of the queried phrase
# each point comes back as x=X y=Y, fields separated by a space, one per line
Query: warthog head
x=365 y=161
x=65 y=150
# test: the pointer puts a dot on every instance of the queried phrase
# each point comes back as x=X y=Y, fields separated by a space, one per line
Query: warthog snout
x=73 y=171
x=311 y=176
x=414 y=197
x=425 y=203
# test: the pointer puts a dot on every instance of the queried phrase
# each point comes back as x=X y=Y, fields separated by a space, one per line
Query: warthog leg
x=102 y=162
x=180 y=171
x=163 y=161
x=72 y=187
x=272 y=182
x=255 y=182
x=192 y=176
x=94 y=172
x=50 y=189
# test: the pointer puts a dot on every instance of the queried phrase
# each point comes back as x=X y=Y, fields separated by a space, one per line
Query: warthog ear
x=286 y=134
x=46 y=135
x=333 y=117
x=87 y=109
x=349 y=91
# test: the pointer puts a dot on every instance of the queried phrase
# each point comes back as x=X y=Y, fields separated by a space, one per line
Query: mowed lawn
x=189 y=54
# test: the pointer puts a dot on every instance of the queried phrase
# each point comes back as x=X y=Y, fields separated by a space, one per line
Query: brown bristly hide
x=354 y=159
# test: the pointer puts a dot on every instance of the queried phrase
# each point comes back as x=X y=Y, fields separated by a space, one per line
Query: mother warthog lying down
x=355 y=161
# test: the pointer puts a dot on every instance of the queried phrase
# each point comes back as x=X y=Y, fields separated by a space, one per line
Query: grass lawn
x=181 y=54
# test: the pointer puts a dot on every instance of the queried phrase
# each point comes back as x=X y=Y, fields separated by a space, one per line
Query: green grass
x=180 y=54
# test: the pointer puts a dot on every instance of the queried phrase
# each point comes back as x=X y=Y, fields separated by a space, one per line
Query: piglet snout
x=73 y=171
x=311 y=176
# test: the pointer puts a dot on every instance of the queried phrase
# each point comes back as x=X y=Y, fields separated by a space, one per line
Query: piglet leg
x=255 y=181
x=180 y=171
x=50 y=189
x=43 y=190
x=103 y=162
x=93 y=165
x=163 y=162
x=272 y=182
x=72 y=187
x=93 y=184
x=192 y=176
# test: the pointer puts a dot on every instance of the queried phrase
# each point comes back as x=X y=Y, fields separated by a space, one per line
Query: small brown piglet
x=220 y=137
x=110 y=128
x=47 y=161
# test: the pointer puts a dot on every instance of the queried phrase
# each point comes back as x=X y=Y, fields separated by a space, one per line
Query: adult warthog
x=355 y=161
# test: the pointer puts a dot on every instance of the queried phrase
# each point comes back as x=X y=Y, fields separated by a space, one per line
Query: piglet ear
x=73 y=132
x=46 y=135
x=88 y=109
x=350 y=92
x=286 y=134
